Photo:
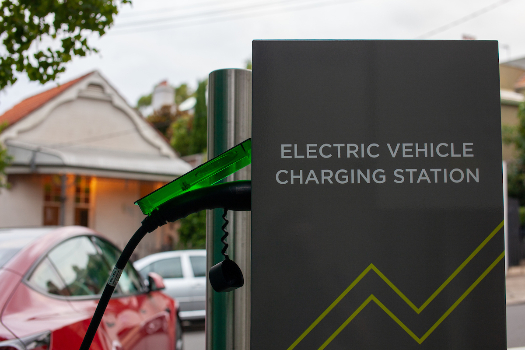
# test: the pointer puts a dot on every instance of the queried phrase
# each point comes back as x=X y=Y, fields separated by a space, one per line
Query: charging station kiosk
x=377 y=206
x=377 y=202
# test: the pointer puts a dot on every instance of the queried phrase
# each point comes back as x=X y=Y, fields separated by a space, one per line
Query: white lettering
x=283 y=150
x=321 y=151
x=326 y=177
x=344 y=177
x=407 y=149
x=311 y=177
x=368 y=150
x=466 y=149
x=309 y=150
x=277 y=177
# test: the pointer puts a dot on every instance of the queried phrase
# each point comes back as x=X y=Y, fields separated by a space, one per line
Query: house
x=83 y=156
x=512 y=89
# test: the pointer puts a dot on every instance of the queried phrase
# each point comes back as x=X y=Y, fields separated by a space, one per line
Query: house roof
x=518 y=63
x=32 y=103
x=80 y=160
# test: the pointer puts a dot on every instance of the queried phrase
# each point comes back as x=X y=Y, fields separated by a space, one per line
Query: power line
x=464 y=19
x=202 y=14
x=232 y=17
x=176 y=8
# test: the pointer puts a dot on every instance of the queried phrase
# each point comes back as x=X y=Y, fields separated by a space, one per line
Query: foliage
x=516 y=171
x=163 y=118
x=144 y=101
x=189 y=135
x=180 y=135
x=26 y=25
x=5 y=160
x=193 y=231
x=522 y=215
x=248 y=64
x=182 y=92
x=199 y=135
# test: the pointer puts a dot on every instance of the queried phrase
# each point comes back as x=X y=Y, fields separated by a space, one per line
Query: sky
x=182 y=41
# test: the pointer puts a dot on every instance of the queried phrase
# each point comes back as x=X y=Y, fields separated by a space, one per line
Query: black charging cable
x=234 y=195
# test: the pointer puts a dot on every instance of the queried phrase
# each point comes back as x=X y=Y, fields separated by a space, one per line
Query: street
x=194 y=336
x=515 y=325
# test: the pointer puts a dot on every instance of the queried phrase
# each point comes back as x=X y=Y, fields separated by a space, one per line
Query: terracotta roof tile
x=32 y=103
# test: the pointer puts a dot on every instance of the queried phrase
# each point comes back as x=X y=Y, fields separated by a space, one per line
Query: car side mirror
x=155 y=282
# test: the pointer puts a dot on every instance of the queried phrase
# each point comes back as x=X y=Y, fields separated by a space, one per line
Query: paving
x=516 y=285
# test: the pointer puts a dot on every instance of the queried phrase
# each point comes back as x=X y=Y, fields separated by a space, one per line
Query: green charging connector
x=204 y=175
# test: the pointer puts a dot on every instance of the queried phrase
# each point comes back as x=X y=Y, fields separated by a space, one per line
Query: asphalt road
x=194 y=337
x=516 y=325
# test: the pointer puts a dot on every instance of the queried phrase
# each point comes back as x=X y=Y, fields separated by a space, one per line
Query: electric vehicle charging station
x=377 y=201
x=377 y=206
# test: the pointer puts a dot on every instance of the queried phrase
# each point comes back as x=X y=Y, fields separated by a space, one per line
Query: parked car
x=184 y=274
x=50 y=282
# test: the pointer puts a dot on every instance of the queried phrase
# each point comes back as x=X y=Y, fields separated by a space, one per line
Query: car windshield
x=13 y=240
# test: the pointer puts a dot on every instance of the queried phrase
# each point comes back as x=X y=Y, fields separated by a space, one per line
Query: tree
x=30 y=31
x=189 y=136
x=144 y=101
x=5 y=160
x=180 y=135
x=192 y=231
x=516 y=171
x=199 y=135
x=182 y=92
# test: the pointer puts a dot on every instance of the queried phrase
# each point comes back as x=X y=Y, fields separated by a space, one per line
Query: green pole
x=229 y=123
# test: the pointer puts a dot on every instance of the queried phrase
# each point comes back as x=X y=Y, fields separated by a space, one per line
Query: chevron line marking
x=418 y=310
x=401 y=324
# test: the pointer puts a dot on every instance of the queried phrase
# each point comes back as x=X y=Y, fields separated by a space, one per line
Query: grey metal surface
x=229 y=123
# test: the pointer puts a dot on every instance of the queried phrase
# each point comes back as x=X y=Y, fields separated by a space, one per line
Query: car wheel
x=178 y=334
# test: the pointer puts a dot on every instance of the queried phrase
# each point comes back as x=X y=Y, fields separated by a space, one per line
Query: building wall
x=92 y=123
x=116 y=216
x=22 y=204
x=509 y=117
x=112 y=209
x=508 y=76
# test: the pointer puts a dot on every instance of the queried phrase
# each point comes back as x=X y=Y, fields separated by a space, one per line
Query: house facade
x=83 y=156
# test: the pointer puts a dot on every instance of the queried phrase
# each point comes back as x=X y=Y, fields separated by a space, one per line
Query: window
x=80 y=266
x=145 y=270
x=82 y=200
x=129 y=281
x=46 y=278
x=52 y=199
x=168 y=268
x=198 y=265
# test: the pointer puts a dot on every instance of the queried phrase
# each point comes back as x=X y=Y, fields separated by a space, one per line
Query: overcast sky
x=184 y=40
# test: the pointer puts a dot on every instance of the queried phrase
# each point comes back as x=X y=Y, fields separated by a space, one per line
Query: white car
x=184 y=274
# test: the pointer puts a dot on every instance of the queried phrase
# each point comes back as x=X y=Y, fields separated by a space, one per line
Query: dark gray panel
x=311 y=241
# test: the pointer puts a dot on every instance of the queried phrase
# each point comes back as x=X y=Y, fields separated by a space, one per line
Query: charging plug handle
x=234 y=195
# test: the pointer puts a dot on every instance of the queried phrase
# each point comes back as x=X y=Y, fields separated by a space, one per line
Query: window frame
x=116 y=294
x=169 y=258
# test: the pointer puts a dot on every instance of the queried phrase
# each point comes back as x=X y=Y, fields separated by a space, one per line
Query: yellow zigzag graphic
x=418 y=310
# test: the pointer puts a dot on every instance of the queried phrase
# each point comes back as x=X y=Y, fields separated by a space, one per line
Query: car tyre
x=178 y=340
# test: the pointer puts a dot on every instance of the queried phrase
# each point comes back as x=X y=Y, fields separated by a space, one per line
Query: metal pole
x=229 y=123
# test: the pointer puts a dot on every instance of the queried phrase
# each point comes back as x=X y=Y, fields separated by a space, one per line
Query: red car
x=50 y=282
